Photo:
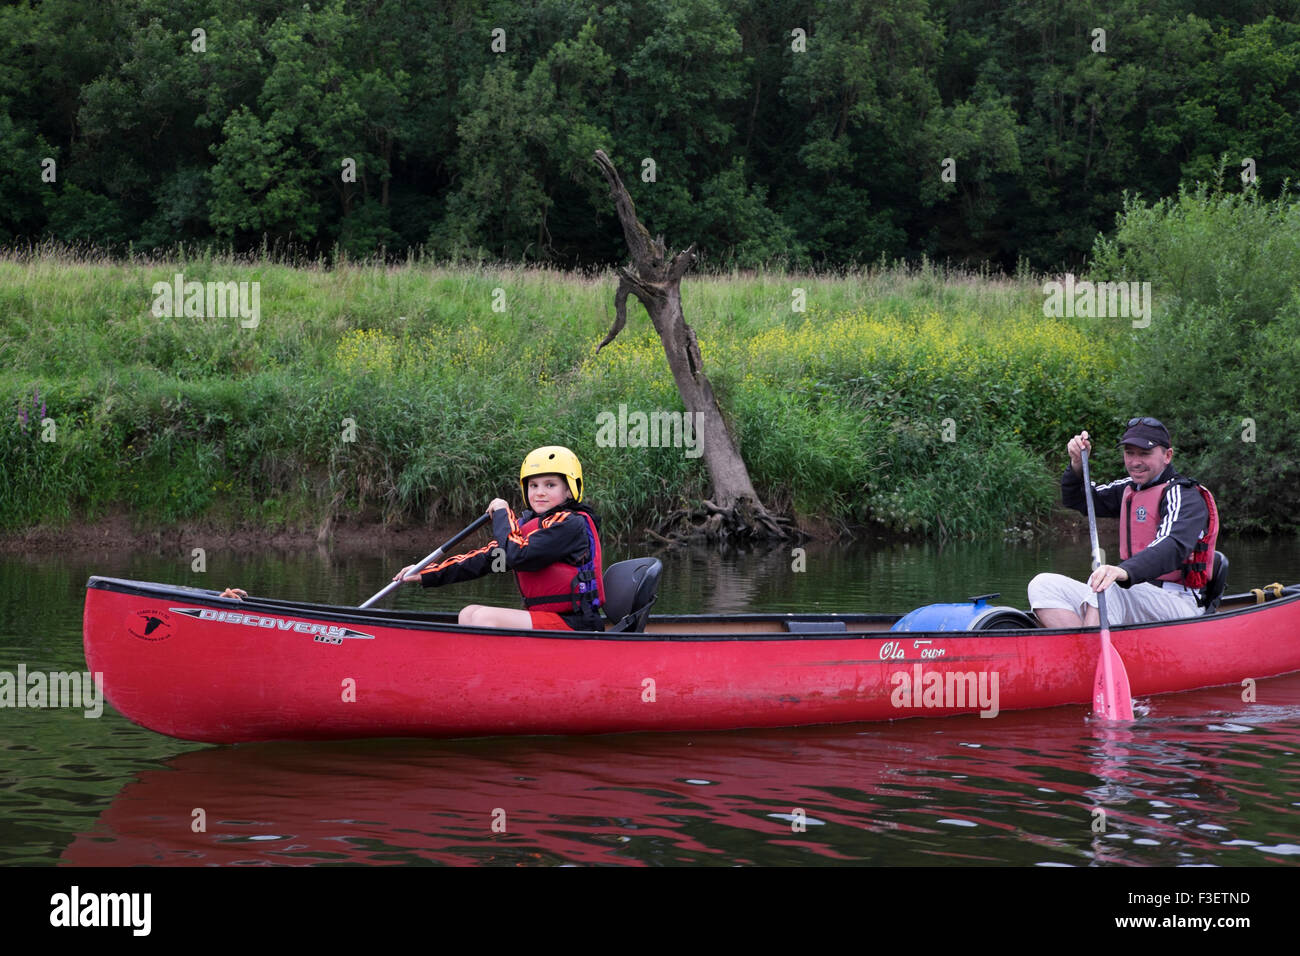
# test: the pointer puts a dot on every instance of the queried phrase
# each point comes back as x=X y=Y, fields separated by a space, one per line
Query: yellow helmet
x=552 y=460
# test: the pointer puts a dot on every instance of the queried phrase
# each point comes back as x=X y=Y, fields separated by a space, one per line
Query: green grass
x=841 y=410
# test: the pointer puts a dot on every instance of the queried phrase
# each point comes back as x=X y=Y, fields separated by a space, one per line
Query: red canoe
x=185 y=662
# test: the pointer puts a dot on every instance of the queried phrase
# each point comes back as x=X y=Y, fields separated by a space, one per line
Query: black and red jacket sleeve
x=460 y=567
x=561 y=536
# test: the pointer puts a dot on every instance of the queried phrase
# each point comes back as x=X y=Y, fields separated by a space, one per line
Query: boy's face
x=546 y=491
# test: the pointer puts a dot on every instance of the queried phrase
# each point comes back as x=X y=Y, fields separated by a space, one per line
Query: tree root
x=710 y=523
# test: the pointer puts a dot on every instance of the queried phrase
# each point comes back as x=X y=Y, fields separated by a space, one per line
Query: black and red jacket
x=551 y=552
x=1181 y=520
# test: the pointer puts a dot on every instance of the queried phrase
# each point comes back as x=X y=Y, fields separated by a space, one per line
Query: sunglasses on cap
x=1146 y=420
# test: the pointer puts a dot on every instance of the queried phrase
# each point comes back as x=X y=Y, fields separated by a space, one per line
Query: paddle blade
x=1118 y=704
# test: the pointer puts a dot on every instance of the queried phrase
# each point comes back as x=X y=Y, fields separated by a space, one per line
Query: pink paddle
x=1111 y=697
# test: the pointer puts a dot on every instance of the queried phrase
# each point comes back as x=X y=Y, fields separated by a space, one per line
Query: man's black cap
x=1146 y=433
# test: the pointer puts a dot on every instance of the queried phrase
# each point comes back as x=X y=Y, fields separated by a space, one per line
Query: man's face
x=1144 y=464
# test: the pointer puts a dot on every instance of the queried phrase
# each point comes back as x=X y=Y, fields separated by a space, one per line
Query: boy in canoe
x=1167 y=534
x=553 y=548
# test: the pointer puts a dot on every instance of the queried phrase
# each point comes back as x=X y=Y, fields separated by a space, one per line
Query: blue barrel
x=977 y=614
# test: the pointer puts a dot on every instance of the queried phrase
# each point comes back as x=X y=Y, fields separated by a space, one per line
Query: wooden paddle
x=394 y=585
x=1110 y=697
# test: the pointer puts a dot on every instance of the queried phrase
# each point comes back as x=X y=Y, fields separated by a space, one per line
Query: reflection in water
x=1022 y=789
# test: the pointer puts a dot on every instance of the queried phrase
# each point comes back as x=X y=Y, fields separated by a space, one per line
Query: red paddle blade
x=1118 y=704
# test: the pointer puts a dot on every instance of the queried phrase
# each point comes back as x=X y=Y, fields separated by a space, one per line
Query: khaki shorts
x=1140 y=604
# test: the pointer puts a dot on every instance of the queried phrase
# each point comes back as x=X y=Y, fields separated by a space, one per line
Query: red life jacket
x=1138 y=522
x=562 y=587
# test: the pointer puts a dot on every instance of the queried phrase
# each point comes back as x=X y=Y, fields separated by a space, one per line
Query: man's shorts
x=1140 y=604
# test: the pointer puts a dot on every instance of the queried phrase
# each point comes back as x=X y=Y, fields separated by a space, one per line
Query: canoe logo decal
x=893 y=650
x=928 y=653
x=152 y=624
x=324 y=633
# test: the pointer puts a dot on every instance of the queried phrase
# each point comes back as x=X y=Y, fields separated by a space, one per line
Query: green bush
x=1220 y=362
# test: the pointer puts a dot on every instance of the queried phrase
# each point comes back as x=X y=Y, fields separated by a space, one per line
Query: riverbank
x=123 y=533
x=909 y=401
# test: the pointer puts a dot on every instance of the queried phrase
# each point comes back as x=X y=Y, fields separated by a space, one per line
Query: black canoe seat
x=1006 y=619
x=815 y=627
x=630 y=588
x=1213 y=592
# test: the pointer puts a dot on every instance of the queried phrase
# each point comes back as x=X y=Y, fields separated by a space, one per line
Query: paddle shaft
x=1109 y=686
x=1092 y=532
x=394 y=585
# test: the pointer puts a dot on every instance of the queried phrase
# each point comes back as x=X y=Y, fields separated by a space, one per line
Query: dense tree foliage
x=1226 y=266
x=782 y=131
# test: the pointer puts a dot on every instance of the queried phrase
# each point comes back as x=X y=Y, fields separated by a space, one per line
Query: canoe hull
x=186 y=663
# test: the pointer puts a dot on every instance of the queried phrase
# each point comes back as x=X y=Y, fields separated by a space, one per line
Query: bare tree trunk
x=656 y=281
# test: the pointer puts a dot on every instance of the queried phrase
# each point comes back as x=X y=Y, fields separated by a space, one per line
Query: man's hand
x=406 y=575
x=1075 y=448
x=1105 y=576
x=237 y=593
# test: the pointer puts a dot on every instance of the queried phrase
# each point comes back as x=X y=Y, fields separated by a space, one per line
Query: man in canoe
x=553 y=548
x=1167 y=533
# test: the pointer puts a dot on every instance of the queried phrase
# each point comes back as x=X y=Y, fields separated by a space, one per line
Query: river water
x=1200 y=778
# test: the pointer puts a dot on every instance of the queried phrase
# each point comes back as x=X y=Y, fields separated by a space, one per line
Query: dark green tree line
x=788 y=131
